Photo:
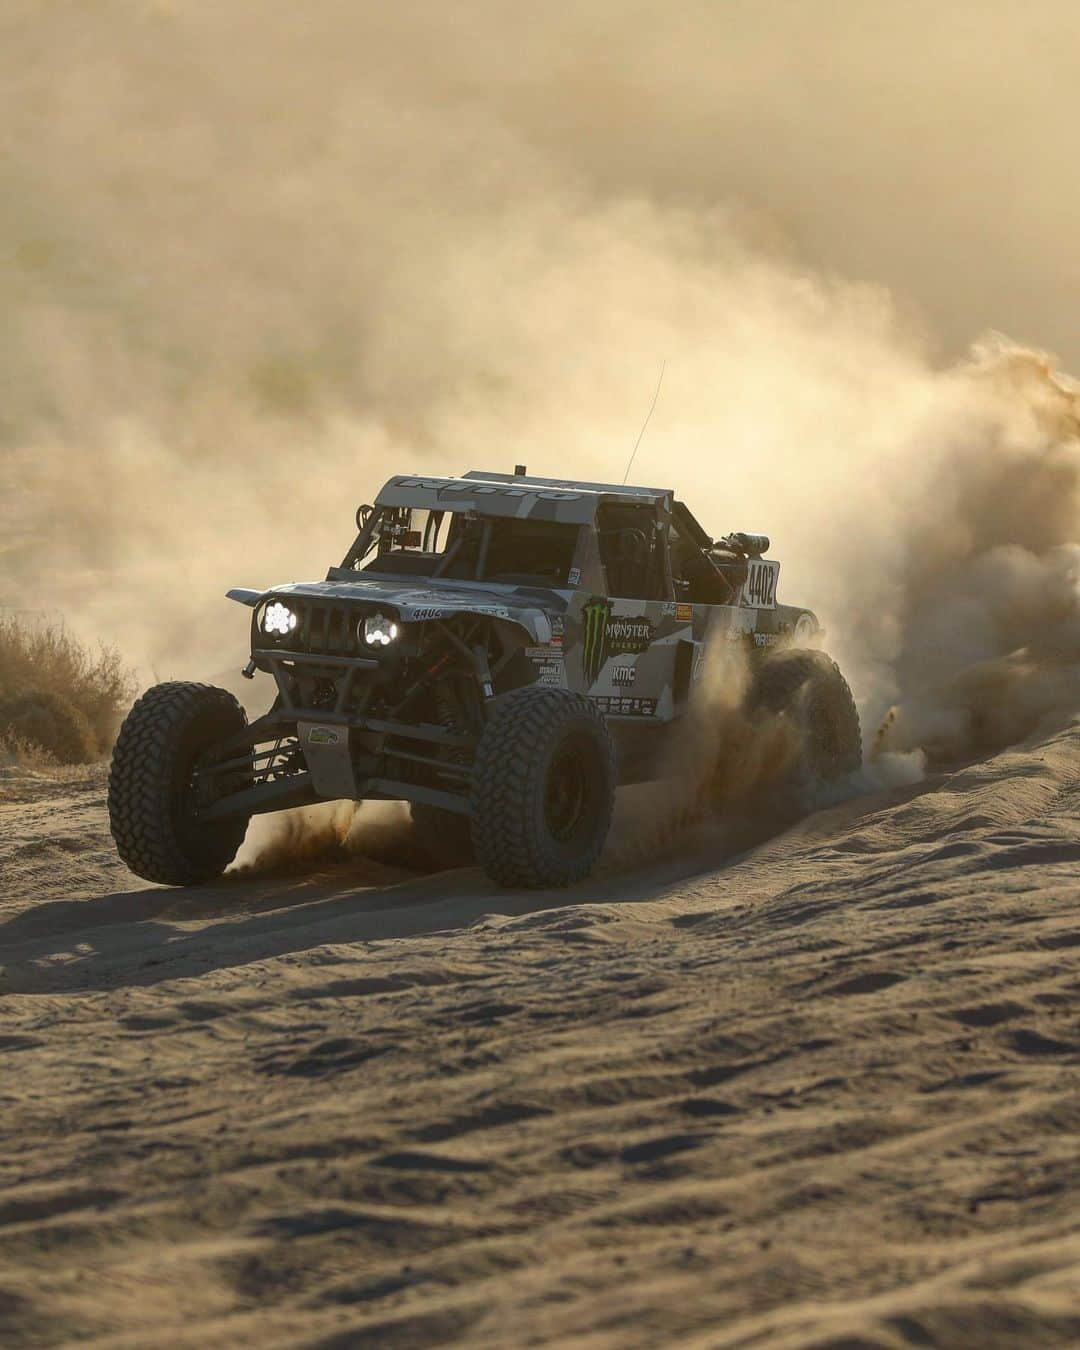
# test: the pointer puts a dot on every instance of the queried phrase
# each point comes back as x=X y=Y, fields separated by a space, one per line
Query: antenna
x=633 y=453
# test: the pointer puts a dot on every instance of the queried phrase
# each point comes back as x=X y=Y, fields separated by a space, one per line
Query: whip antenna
x=633 y=453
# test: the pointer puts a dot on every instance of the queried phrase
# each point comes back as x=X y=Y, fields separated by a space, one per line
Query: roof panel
x=606 y=489
x=511 y=497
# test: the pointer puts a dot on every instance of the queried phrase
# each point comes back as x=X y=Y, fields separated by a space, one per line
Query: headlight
x=278 y=618
x=378 y=630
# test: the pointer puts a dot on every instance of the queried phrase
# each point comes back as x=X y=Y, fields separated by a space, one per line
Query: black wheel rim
x=566 y=792
x=191 y=793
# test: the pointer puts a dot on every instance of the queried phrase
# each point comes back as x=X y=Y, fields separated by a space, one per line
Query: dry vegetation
x=60 y=702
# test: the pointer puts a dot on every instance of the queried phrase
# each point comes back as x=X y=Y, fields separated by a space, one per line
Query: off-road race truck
x=501 y=652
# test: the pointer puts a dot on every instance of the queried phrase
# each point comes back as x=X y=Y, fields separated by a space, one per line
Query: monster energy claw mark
x=594 y=615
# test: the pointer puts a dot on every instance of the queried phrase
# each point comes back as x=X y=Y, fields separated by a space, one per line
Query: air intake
x=753 y=545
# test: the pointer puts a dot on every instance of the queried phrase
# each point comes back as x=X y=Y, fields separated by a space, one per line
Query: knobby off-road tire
x=543 y=788
x=152 y=803
x=444 y=837
x=807 y=687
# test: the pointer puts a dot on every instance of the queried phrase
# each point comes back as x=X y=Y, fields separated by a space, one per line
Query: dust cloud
x=259 y=256
x=375 y=835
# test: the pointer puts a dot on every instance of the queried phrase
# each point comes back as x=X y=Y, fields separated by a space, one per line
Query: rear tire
x=807 y=687
x=444 y=837
x=152 y=798
x=543 y=788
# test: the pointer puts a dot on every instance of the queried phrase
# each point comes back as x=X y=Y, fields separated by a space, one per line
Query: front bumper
x=345 y=754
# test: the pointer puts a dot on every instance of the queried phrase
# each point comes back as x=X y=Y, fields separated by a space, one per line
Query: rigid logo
x=324 y=736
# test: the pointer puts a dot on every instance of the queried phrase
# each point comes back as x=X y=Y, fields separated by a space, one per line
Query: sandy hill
x=821 y=1094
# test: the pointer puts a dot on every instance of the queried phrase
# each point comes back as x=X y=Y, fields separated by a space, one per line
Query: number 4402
x=761 y=584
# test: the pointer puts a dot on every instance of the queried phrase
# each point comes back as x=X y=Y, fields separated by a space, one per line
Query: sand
x=824 y=1093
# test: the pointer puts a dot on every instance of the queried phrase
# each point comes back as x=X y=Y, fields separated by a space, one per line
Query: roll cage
x=463 y=545
x=650 y=547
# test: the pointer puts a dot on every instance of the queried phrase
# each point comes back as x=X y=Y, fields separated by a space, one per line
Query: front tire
x=152 y=793
x=543 y=788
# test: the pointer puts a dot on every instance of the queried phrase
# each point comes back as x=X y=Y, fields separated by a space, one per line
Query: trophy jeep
x=501 y=652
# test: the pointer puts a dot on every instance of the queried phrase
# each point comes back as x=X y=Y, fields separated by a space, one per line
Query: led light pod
x=278 y=619
x=378 y=630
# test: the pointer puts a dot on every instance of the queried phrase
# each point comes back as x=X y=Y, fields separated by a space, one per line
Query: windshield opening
x=415 y=541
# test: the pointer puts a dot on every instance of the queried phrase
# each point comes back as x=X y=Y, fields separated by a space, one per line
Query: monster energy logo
x=606 y=636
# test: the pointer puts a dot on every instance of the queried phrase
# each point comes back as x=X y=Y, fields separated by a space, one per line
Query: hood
x=418 y=599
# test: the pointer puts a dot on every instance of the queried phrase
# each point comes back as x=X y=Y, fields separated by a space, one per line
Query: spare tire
x=543 y=788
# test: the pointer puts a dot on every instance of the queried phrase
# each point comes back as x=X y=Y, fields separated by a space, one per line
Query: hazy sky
x=256 y=255
x=275 y=153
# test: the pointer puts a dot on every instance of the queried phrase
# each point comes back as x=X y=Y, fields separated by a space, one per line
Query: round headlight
x=278 y=618
x=378 y=630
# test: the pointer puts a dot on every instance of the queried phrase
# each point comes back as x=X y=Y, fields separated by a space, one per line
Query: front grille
x=326 y=628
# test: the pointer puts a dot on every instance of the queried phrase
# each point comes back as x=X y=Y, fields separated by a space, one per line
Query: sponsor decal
x=428 y=613
x=632 y=633
x=684 y=611
x=623 y=676
x=573 y=577
x=324 y=736
x=766 y=639
x=595 y=616
x=608 y=634
x=731 y=625
x=550 y=666
x=618 y=706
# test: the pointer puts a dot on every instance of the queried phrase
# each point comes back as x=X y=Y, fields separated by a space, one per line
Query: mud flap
x=326 y=750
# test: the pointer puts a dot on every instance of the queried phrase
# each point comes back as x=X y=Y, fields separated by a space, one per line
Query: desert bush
x=52 y=723
x=58 y=694
x=26 y=755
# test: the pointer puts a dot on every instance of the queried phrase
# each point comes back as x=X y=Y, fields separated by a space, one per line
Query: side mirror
x=363 y=515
